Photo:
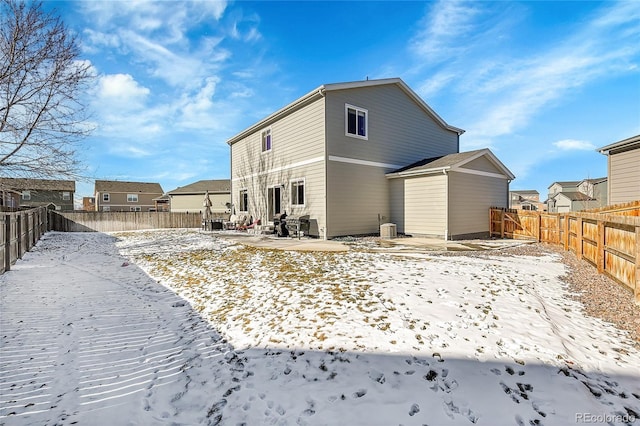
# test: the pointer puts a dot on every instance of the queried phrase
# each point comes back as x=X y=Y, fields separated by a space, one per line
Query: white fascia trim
x=281 y=168
x=363 y=162
x=479 y=173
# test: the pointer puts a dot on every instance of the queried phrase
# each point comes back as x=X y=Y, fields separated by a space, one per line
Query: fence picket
x=607 y=238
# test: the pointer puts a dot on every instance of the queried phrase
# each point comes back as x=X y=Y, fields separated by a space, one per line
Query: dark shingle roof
x=19 y=184
x=438 y=162
x=131 y=187
x=201 y=186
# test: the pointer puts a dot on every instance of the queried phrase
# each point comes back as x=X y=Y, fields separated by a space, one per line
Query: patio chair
x=251 y=225
x=231 y=223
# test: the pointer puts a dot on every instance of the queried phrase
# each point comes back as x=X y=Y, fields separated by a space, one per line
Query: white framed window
x=356 y=122
x=132 y=198
x=244 y=200
x=106 y=208
x=135 y=209
x=66 y=196
x=297 y=192
x=26 y=195
x=105 y=197
x=265 y=136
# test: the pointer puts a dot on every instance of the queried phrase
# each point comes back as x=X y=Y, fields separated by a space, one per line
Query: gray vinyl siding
x=425 y=205
x=298 y=151
x=624 y=177
x=357 y=195
x=563 y=204
x=470 y=197
x=482 y=164
x=194 y=202
x=396 y=204
x=400 y=132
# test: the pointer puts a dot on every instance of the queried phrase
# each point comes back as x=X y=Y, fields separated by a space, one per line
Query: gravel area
x=601 y=296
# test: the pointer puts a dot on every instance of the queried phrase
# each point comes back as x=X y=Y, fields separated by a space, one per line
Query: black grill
x=280 y=225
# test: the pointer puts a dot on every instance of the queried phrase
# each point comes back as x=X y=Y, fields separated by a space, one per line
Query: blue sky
x=542 y=84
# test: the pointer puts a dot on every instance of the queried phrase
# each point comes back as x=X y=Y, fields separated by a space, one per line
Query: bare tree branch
x=42 y=81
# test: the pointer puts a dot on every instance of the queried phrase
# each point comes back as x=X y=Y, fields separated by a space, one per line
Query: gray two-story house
x=353 y=155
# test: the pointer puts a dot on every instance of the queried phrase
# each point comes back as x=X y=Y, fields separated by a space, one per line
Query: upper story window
x=356 y=122
x=244 y=200
x=106 y=197
x=66 y=196
x=132 y=198
x=297 y=192
x=26 y=195
x=266 y=140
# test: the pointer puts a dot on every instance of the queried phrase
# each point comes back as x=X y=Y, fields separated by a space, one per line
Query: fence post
x=19 y=231
x=539 y=226
x=7 y=242
x=600 y=254
x=579 y=237
x=502 y=223
x=565 y=237
x=637 y=283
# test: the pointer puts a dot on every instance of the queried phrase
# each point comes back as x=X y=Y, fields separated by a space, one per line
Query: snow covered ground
x=95 y=330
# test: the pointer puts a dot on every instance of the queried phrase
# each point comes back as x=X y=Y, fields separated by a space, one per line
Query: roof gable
x=130 y=187
x=320 y=92
x=451 y=162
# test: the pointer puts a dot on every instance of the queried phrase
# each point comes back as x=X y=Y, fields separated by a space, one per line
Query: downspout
x=323 y=229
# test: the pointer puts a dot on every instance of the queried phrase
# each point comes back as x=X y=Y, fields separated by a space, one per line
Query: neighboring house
x=557 y=187
x=89 y=204
x=337 y=154
x=525 y=199
x=572 y=201
x=623 y=158
x=595 y=188
x=54 y=194
x=190 y=198
x=111 y=195
x=9 y=199
x=571 y=196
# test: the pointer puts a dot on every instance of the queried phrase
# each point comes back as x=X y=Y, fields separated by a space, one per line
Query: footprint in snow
x=360 y=393
x=415 y=409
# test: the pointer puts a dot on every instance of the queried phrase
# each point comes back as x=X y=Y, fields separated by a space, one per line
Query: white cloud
x=502 y=96
x=121 y=90
x=574 y=145
x=443 y=27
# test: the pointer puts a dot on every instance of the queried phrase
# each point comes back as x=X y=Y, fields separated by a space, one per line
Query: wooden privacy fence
x=121 y=221
x=609 y=239
x=19 y=232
